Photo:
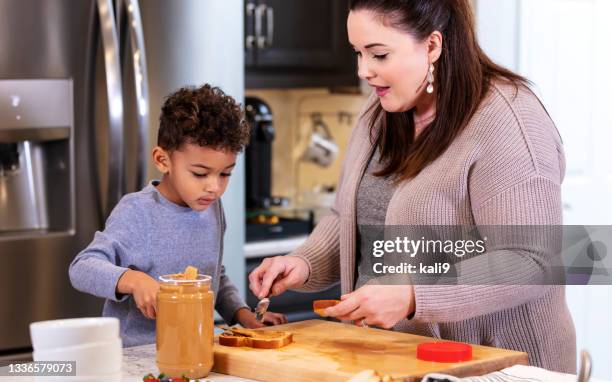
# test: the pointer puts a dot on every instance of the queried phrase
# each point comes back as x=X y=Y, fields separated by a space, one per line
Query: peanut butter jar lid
x=178 y=279
x=444 y=352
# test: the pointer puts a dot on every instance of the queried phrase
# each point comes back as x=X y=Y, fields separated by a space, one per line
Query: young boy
x=172 y=223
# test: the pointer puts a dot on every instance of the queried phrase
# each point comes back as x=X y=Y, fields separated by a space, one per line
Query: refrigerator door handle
x=142 y=90
x=110 y=44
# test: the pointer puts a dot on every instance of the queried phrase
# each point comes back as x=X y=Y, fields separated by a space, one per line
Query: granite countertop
x=137 y=362
x=140 y=360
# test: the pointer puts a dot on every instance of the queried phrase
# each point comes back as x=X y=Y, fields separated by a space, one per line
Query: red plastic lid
x=444 y=352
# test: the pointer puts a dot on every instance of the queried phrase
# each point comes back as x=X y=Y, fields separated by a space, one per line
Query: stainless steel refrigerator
x=81 y=85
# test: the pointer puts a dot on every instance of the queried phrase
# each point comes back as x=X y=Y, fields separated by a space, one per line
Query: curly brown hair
x=205 y=116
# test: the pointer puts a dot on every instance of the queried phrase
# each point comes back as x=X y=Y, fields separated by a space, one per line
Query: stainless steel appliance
x=35 y=156
x=75 y=128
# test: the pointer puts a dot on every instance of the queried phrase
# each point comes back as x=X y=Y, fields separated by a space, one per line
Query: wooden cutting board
x=331 y=351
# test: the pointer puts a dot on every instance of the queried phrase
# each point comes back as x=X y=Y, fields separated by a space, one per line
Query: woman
x=448 y=138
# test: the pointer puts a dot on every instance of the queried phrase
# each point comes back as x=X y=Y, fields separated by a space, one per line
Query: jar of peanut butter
x=185 y=326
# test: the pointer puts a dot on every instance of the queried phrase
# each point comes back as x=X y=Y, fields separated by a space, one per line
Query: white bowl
x=91 y=359
x=47 y=335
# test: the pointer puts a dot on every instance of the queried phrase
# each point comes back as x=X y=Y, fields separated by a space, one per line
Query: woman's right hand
x=143 y=288
x=277 y=274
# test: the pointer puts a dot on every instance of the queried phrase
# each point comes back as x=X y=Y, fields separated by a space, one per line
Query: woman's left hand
x=378 y=305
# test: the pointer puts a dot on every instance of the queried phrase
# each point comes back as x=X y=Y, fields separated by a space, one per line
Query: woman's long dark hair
x=463 y=75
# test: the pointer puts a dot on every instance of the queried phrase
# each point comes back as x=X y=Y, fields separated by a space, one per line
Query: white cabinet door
x=564 y=49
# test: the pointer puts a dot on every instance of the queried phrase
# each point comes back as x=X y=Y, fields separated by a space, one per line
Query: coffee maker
x=259 y=155
x=266 y=214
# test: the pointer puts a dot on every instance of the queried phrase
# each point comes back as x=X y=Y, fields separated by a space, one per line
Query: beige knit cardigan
x=505 y=168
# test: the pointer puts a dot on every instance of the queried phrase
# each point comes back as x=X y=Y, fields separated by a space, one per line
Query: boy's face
x=194 y=176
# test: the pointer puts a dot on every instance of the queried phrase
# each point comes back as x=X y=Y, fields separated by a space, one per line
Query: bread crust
x=258 y=339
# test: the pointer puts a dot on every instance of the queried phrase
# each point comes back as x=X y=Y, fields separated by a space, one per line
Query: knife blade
x=262 y=308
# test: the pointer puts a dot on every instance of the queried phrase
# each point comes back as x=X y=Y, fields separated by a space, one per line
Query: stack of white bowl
x=93 y=343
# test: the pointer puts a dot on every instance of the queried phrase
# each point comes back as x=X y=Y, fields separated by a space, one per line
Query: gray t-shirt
x=148 y=233
x=373 y=196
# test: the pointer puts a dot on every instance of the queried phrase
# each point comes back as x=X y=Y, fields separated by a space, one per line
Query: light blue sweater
x=148 y=233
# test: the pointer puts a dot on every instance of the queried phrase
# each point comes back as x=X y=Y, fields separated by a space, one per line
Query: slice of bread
x=319 y=306
x=258 y=339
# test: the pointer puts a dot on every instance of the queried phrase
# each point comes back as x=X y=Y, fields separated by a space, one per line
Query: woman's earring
x=430 y=79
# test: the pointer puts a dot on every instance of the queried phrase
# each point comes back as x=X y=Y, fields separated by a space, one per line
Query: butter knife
x=262 y=308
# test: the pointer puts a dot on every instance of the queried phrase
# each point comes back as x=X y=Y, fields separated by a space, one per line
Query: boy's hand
x=247 y=319
x=143 y=288
x=271 y=318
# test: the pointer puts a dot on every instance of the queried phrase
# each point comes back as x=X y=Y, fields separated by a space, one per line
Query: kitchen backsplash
x=294 y=111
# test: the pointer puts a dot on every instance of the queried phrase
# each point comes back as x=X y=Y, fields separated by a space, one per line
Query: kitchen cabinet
x=297 y=43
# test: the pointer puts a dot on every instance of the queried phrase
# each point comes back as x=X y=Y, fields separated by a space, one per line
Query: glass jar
x=185 y=326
